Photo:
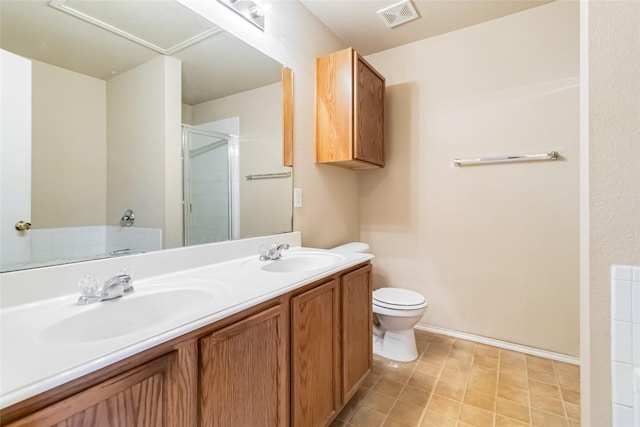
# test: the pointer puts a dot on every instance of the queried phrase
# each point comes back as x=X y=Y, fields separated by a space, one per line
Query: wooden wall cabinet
x=330 y=346
x=349 y=111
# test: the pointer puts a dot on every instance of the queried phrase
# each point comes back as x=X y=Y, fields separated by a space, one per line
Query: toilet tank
x=352 y=247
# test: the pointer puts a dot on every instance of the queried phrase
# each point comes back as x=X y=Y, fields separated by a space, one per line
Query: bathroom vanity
x=282 y=347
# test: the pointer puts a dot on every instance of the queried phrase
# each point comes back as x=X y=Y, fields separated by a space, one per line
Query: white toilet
x=398 y=311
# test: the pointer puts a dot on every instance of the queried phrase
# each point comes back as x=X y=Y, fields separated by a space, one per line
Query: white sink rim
x=300 y=262
x=151 y=306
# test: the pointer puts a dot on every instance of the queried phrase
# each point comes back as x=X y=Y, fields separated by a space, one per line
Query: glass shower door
x=206 y=185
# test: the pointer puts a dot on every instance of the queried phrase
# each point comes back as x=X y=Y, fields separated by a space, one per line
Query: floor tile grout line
x=404 y=386
x=426 y=405
x=557 y=383
x=495 y=399
x=433 y=388
x=564 y=406
x=526 y=367
x=464 y=395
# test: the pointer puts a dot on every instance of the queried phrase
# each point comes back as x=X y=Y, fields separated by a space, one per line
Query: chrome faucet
x=272 y=253
x=115 y=287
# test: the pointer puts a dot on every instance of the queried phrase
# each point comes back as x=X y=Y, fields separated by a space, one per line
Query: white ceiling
x=356 y=23
x=221 y=64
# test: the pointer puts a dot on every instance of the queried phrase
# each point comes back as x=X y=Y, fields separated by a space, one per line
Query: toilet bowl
x=398 y=311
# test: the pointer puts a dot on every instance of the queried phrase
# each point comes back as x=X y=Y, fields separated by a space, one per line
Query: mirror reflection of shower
x=210 y=182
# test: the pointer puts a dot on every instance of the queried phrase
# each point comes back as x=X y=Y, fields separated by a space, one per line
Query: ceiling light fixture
x=248 y=9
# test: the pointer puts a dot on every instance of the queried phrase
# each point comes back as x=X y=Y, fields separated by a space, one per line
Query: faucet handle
x=282 y=247
x=89 y=285
x=127 y=275
x=123 y=279
x=264 y=252
x=90 y=289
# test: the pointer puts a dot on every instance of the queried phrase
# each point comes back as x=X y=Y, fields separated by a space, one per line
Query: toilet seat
x=398 y=299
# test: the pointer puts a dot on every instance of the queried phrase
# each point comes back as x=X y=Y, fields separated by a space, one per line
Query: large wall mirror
x=132 y=126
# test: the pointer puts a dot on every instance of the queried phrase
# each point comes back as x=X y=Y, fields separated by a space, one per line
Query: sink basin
x=144 y=309
x=304 y=261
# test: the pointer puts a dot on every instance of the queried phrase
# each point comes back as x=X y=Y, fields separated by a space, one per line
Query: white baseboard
x=501 y=344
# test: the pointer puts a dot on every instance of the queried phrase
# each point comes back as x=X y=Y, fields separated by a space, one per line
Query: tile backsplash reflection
x=58 y=245
x=625 y=345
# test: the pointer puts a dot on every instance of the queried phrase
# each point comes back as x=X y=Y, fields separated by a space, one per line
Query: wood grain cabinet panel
x=137 y=398
x=315 y=355
x=244 y=373
x=349 y=111
x=287 y=116
x=357 y=355
x=331 y=346
x=368 y=138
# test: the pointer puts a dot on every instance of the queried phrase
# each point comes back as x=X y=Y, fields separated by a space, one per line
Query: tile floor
x=460 y=383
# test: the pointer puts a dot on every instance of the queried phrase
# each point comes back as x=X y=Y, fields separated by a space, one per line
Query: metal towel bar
x=551 y=155
x=268 y=176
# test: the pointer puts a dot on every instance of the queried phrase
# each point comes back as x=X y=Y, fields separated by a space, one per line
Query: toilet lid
x=398 y=298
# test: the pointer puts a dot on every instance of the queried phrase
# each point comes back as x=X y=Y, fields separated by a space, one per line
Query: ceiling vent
x=398 y=14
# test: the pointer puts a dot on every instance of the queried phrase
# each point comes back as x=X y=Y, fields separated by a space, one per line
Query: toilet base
x=395 y=345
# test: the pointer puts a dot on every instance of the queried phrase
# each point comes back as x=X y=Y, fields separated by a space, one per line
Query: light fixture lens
x=248 y=9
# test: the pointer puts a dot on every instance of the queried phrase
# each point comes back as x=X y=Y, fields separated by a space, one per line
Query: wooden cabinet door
x=138 y=398
x=349 y=111
x=334 y=107
x=368 y=113
x=244 y=373
x=315 y=352
x=357 y=356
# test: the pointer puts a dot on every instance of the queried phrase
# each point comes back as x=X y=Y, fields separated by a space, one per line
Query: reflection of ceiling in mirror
x=215 y=67
x=167 y=26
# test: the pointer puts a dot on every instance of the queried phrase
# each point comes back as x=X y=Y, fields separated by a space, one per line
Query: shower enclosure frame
x=233 y=170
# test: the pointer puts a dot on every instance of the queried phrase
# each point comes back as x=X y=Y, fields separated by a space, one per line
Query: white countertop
x=31 y=362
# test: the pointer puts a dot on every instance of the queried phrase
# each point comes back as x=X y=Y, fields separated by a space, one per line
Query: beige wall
x=494 y=248
x=187 y=114
x=69 y=148
x=294 y=37
x=143 y=159
x=265 y=205
x=613 y=179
